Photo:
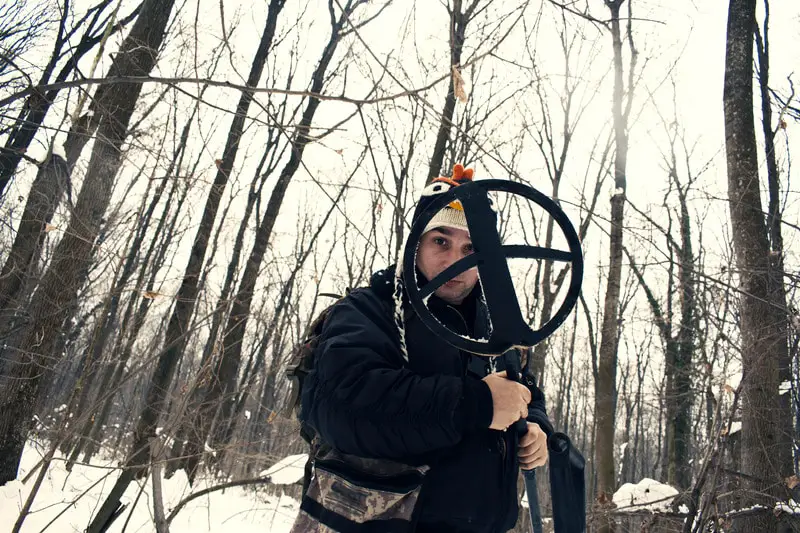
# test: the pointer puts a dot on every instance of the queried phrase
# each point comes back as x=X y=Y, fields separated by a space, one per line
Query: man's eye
x=439 y=241
x=468 y=249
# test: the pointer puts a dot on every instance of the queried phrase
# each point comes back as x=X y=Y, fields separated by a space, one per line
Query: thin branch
x=214 y=83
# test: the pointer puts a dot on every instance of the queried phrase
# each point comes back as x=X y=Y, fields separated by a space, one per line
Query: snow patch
x=209 y=449
x=288 y=470
x=733 y=381
x=735 y=428
x=13 y=490
x=647 y=494
x=58 y=149
x=238 y=509
x=784 y=387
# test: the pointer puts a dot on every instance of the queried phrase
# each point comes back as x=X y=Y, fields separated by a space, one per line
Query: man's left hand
x=532 y=448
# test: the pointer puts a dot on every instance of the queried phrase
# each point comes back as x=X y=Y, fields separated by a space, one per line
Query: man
x=386 y=388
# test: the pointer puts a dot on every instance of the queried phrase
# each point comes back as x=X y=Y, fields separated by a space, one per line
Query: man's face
x=438 y=249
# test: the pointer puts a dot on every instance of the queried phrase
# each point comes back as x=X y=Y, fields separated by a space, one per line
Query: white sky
x=681 y=42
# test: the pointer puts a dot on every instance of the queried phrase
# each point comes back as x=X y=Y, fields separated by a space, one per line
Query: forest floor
x=67 y=501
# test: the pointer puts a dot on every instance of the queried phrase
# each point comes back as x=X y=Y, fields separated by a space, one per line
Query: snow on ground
x=288 y=470
x=647 y=494
x=79 y=495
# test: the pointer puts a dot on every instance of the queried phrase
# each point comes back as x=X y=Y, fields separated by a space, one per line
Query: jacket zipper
x=503 y=449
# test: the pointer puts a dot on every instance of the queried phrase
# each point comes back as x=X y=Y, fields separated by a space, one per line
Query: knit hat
x=453 y=214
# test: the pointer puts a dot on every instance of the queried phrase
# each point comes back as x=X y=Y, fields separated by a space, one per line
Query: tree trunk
x=224 y=382
x=184 y=308
x=37 y=105
x=774 y=224
x=685 y=339
x=458 y=28
x=39 y=208
x=763 y=334
x=606 y=387
x=115 y=104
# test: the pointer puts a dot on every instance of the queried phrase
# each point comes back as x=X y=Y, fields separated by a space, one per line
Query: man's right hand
x=510 y=400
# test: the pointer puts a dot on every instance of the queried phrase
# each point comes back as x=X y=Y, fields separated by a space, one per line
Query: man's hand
x=532 y=448
x=510 y=400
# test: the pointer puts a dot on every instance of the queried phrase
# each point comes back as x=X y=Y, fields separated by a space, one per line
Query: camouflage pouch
x=350 y=494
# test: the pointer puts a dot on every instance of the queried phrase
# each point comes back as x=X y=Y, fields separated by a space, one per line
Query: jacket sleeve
x=363 y=401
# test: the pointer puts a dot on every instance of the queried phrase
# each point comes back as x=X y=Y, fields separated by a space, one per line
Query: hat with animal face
x=452 y=215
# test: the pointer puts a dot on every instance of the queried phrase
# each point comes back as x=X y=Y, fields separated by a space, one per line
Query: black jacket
x=363 y=399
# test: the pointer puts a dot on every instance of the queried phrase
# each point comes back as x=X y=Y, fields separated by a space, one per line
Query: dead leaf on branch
x=49 y=227
x=458 y=85
x=792 y=482
x=151 y=295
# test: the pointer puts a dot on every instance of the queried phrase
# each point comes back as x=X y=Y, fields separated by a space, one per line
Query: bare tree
x=763 y=315
x=230 y=358
x=676 y=313
x=606 y=386
x=99 y=26
x=789 y=439
x=115 y=104
x=21 y=23
x=460 y=17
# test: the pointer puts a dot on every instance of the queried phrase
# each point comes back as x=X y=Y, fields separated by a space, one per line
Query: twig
x=75 y=500
x=195 y=495
x=214 y=83
x=162 y=526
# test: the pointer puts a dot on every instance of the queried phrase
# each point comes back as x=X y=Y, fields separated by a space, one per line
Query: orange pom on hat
x=460 y=173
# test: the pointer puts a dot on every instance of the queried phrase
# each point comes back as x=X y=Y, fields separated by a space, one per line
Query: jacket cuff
x=475 y=409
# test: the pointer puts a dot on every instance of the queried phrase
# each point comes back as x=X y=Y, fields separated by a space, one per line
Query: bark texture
x=606 y=383
x=763 y=337
x=115 y=104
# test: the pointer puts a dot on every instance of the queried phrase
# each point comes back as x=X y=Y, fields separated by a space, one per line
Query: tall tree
x=763 y=318
x=186 y=299
x=676 y=321
x=198 y=422
x=115 y=105
x=775 y=236
x=460 y=17
x=230 y=360
x=606 y=385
